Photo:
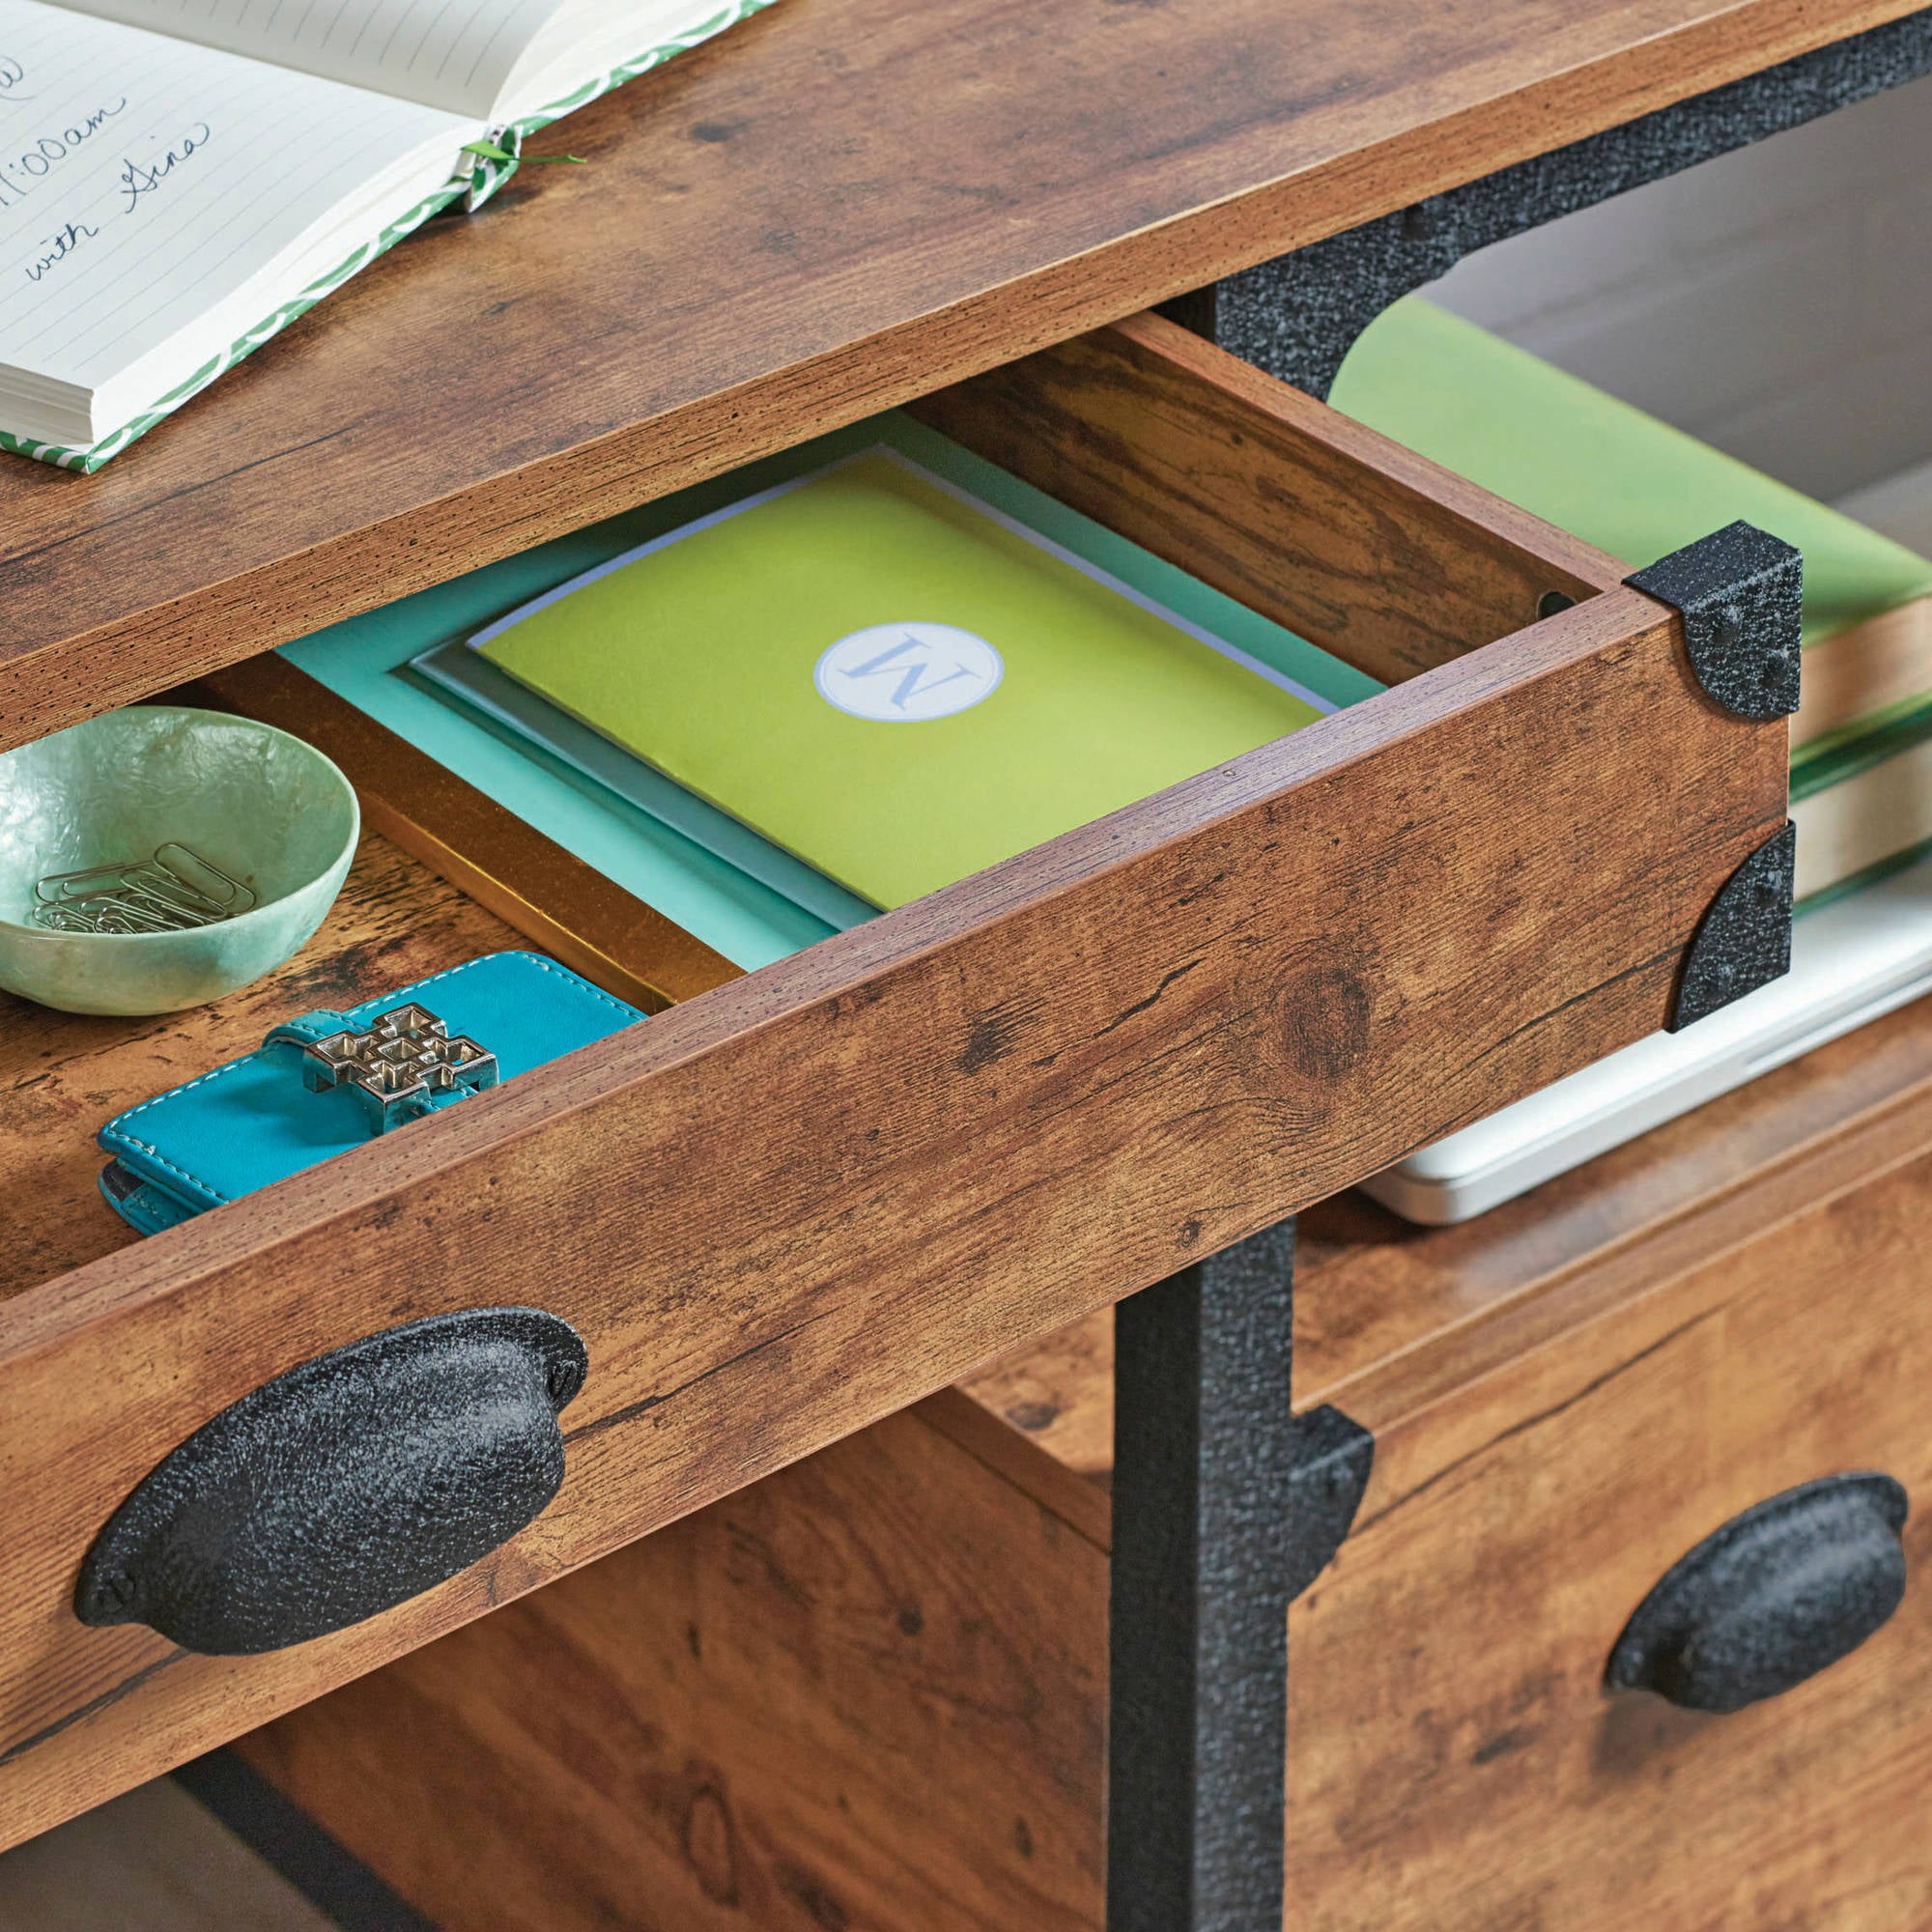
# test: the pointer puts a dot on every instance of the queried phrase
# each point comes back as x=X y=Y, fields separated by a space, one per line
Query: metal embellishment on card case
x=398 y=1065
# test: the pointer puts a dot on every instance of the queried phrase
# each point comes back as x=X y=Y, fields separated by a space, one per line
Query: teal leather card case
x=308 y=1092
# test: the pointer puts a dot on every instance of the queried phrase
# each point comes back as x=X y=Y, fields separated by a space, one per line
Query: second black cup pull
x=1777 y=1595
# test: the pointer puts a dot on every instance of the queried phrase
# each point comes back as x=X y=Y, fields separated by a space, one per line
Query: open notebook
x=179 y=179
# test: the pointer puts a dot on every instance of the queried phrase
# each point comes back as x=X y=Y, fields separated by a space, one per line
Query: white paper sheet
x=453 y=54
x=144 y=180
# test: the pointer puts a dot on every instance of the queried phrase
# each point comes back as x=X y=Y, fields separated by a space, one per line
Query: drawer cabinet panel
x=803 y=1199
x=1479 y=1764
x=869 y=1692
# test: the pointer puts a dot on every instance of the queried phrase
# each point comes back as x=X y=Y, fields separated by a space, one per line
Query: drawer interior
x=63 y=1074
x=1265 y=496
x=1269 y=503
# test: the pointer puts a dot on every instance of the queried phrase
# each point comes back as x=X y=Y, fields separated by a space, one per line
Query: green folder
x=1597 y=468
x=888 y=677
x=1638 y=488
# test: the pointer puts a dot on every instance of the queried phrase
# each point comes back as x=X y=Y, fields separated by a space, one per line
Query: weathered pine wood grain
x=1343 y=535
x=799 y=1202
x=1509 y=1535
x=864 y=1693
x=835 y=206
x=1349 y=540
x=1377 y=1289
x=64 y=1076
x=868 y=1692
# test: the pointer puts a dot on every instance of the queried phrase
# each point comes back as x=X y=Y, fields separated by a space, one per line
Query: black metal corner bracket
x=1298 y=315
x=1741 y=594
x=1332 y=1456
x=1743 y=940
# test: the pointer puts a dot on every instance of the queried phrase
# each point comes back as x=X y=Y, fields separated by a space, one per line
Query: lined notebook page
x=454 y=54
x=144 y=180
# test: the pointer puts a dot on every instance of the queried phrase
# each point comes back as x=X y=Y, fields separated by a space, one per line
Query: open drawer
x=803 y=1197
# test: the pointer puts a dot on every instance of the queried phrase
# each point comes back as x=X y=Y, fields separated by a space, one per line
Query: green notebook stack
x=1861 y=743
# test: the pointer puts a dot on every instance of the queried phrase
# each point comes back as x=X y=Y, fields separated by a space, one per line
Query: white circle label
x=908 y=674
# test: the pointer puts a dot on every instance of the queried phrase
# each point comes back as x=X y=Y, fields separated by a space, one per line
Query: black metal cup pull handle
x=1773 y=1598
x=344 y=1487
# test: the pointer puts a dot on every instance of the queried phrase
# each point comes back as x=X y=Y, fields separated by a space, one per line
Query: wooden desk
x=987 y=1113
x=839 y=206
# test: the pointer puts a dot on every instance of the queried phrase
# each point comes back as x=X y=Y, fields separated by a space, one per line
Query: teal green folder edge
x=364 y=661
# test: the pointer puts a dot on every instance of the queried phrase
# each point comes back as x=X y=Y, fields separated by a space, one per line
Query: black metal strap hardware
x=1298 y=315
x=1333 y=1456
x=1740 y=593
x=1226 y=1506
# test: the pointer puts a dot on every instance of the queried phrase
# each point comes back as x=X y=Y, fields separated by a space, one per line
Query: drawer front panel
x=808 y=1197
x=1470 y=1759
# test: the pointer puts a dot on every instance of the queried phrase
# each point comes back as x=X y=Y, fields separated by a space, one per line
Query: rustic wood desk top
x=834 y=207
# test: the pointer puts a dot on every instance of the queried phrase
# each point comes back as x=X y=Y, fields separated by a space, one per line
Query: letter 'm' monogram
x=912 y=678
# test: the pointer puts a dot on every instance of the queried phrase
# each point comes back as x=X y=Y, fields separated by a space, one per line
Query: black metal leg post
x=1204 y=1454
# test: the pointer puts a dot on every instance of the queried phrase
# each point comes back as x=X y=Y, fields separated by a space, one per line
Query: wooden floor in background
x=150 y=1861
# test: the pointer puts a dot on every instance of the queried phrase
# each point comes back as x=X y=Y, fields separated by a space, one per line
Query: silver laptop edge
x=1850 y=962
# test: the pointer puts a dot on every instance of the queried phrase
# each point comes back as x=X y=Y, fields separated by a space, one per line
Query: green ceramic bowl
x=265 y=807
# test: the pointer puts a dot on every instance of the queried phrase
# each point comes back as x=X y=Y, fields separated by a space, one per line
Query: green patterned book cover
x=152 y=229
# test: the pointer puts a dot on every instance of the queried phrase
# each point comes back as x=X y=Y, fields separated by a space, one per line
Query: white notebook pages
x=181 y=178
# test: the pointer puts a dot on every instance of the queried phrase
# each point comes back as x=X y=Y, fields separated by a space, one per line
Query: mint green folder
x=888 y=678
